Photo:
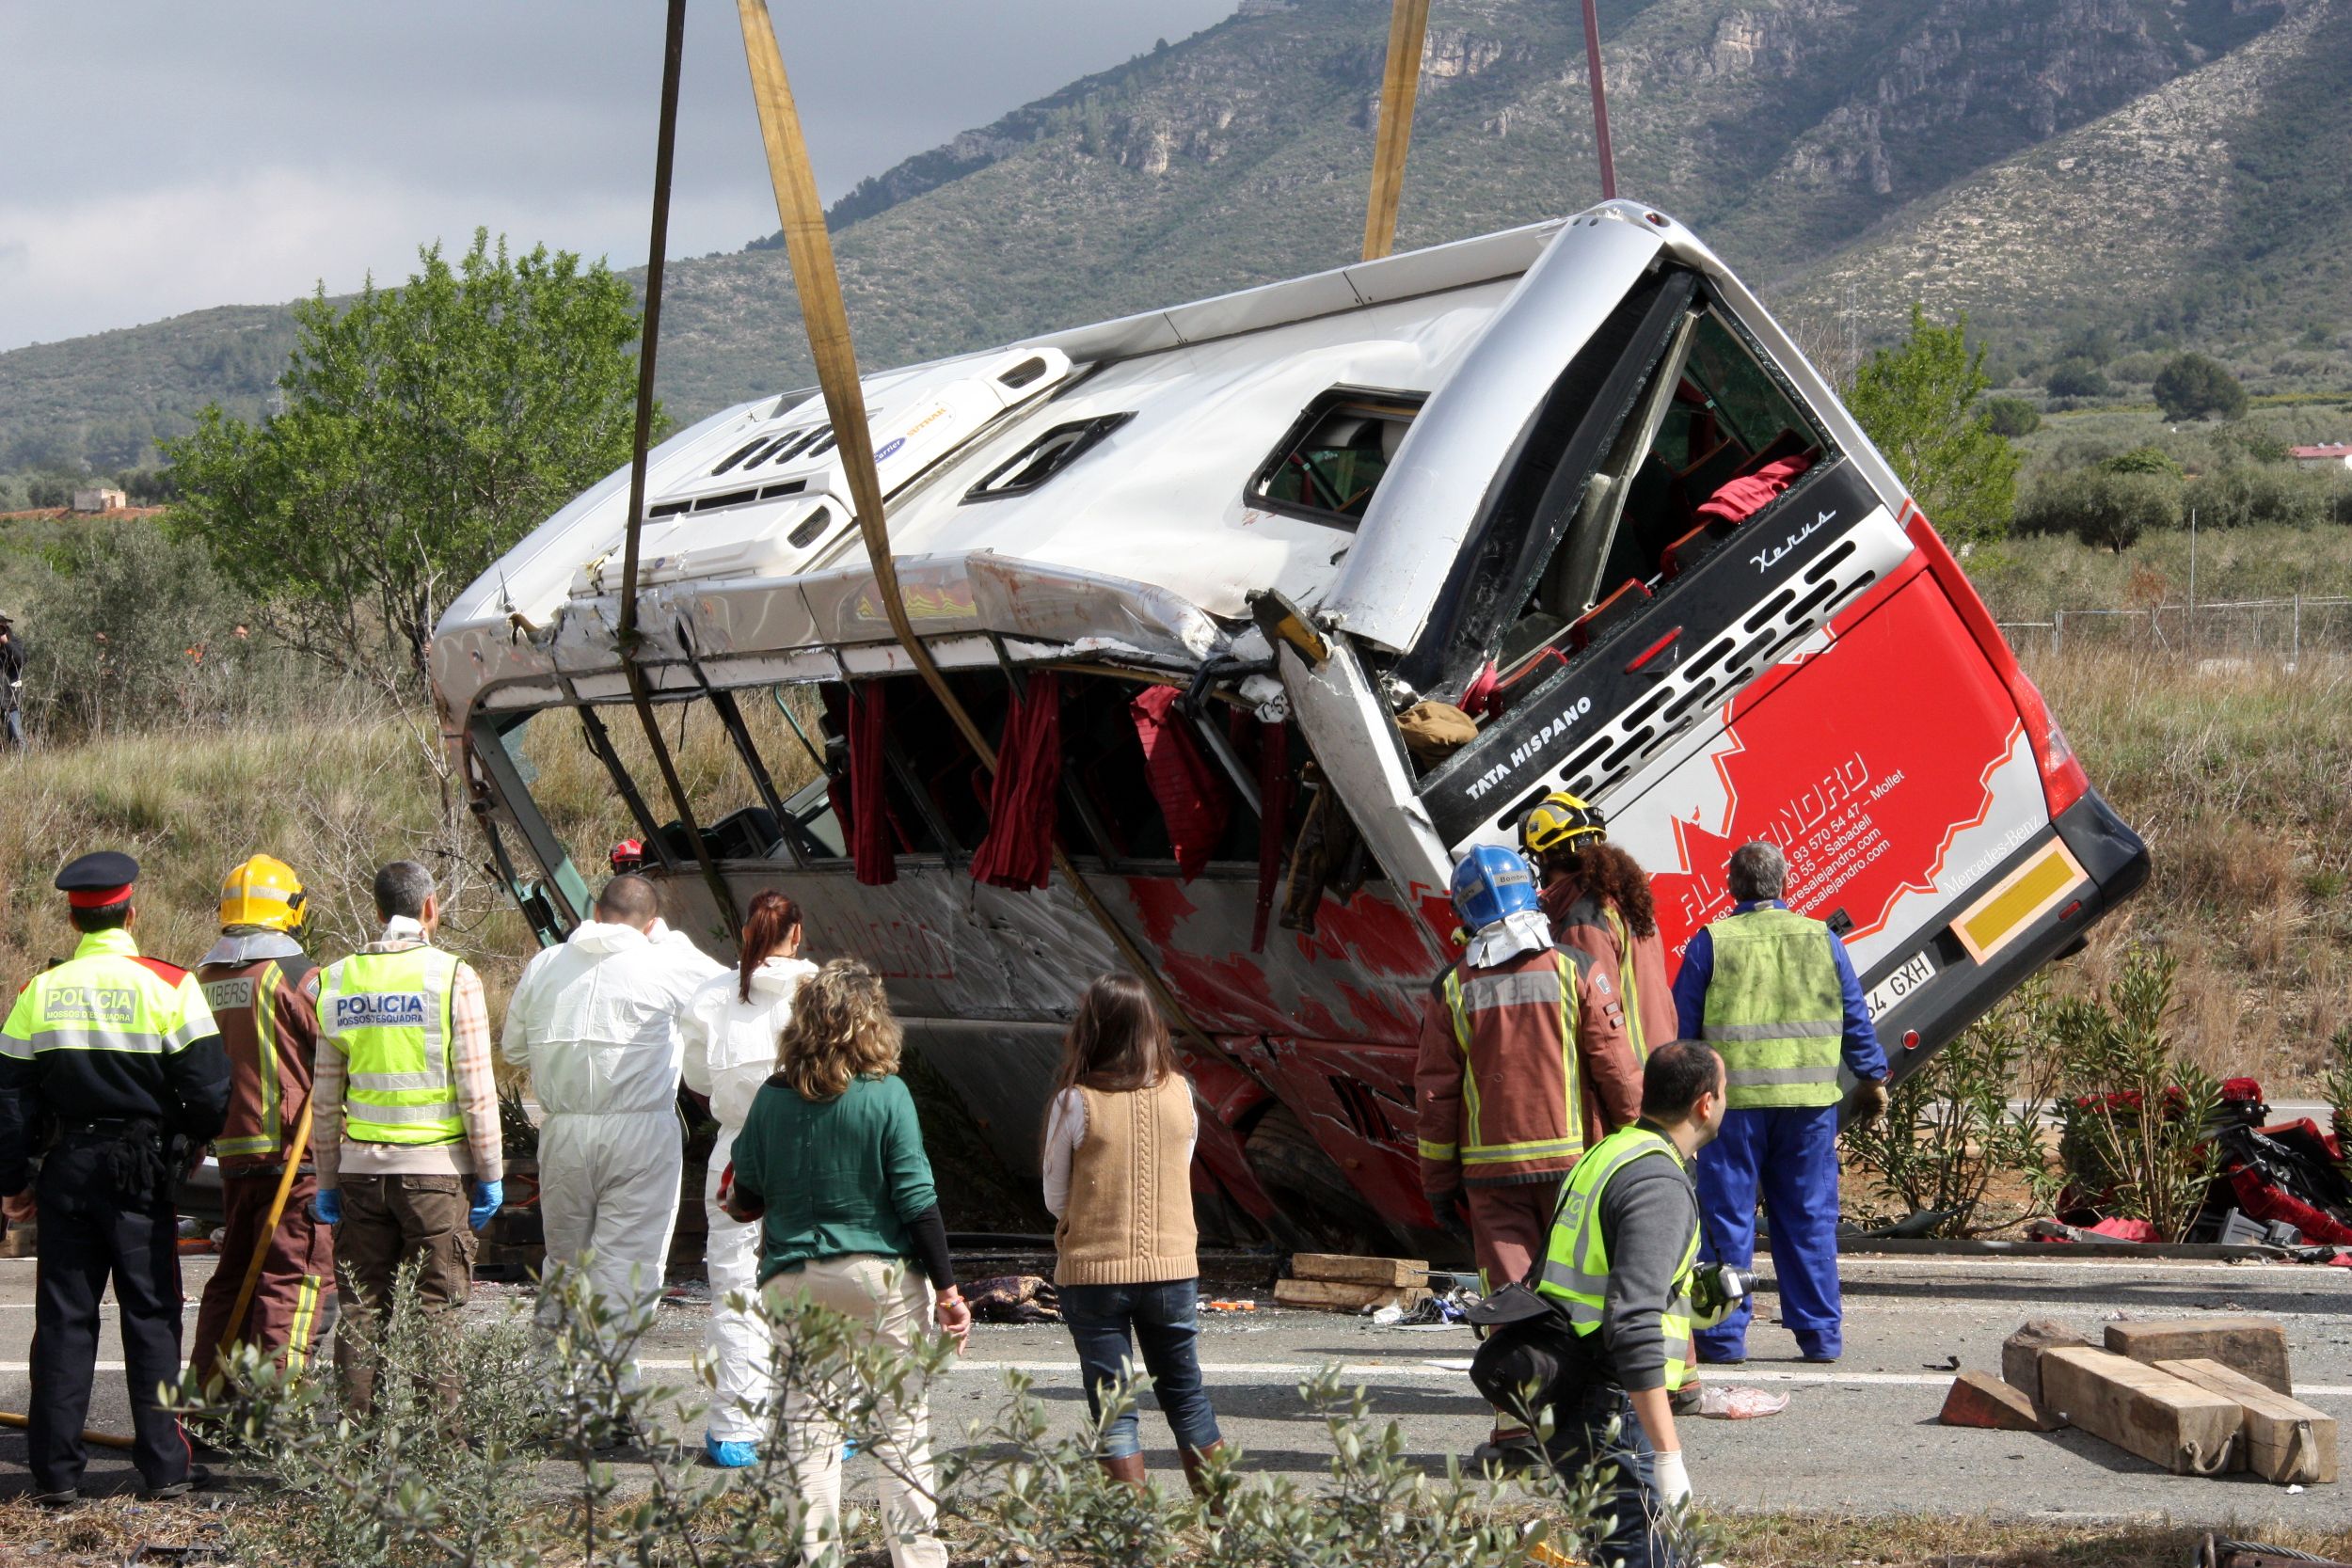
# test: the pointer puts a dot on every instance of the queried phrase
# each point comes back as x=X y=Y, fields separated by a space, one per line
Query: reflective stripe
x=1810 y=1074
x=298 y=1331
x=1487 y=1154
x=1443 y=1154
x=1526 y=989
x=431 y=1111
x=98 y=1039
x=259 y=1143
x=1797 y=1029
x=398 y=1083
x=12 y=1046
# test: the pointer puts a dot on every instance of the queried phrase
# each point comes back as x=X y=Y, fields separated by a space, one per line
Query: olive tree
x=425 y=430
x=1920 y=404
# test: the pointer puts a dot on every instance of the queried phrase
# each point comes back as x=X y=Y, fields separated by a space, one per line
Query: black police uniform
x=118 y=1055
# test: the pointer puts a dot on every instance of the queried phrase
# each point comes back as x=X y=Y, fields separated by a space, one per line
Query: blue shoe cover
x=729 y=1456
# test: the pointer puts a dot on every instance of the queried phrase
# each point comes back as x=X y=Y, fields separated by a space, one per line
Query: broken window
x=1332 y=460
x=1045 y=457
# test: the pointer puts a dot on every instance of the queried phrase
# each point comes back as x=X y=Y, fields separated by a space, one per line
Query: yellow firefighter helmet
x=1558 y=823
x=262 y=891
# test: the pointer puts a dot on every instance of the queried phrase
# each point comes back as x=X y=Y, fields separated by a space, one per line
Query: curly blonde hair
x=841 y=1029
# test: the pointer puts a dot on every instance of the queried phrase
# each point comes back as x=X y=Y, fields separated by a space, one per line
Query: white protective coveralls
x=730 y=1051
x=597 y=1019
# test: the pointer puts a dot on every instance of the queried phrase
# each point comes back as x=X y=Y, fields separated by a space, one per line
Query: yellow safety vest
x=1776 y=1010
x=392 y=1017
x=1576 y=1259
x=104 y=999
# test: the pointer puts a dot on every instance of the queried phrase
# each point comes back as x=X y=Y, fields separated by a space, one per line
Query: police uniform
x=120 y=1054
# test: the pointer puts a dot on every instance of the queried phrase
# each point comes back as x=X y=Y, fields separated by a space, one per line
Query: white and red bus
x=1570 y=479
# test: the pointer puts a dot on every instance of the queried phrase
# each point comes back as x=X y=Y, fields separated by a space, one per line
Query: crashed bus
x=1311 y=587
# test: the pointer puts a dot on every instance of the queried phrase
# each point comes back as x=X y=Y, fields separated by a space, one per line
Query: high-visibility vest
x=108 y=998
x=1774 y=1009
x=1484 y=989
x=1576 y=1258
x=392 y=1016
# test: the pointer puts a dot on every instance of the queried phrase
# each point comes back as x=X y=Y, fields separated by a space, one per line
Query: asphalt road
x=1859 y=1436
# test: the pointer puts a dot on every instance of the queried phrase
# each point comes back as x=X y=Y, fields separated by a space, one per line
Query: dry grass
x=1927 y=1540
x=2241 y=781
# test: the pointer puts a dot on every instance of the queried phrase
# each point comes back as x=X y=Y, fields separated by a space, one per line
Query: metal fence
x=2283 y=631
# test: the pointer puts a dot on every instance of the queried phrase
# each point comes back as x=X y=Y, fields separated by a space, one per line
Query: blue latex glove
x=487 y=1196
x=329 y=1205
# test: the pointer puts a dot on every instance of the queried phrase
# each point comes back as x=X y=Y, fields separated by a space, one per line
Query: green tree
x=2191 y=386
x=2012 y=416
x=2076 y=377
x=1918 y=403
x=425 y=429
x=2102 y=508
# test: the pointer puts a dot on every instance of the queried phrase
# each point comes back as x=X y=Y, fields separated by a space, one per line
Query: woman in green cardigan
x=831 y=1161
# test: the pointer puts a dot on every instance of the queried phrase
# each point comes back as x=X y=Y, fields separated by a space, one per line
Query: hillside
x=1787 y=130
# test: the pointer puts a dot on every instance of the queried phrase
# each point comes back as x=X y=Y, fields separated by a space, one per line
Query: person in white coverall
x=597 y=1019
x=730 y=1030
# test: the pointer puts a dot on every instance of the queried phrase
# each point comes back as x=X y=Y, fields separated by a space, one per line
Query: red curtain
x=1017 y=852
x=871 y=850
x=1183 y=779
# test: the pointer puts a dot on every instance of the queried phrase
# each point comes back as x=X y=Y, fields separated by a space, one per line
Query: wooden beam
x=2187 y=1430
x=1343 y=1269
x=2254 y=1346
x=2285 y=1440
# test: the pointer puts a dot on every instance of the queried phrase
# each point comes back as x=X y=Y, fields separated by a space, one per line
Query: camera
x=1716 y=1289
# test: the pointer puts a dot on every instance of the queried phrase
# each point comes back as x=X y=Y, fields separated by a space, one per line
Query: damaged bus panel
x=1272 y=606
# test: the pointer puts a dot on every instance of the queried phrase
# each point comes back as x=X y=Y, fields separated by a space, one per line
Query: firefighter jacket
x=106 y=1039
x=1522 y=1067
x=1634 y=966
x=263 y=992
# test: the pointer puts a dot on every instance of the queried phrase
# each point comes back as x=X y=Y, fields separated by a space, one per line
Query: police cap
x=97 y=881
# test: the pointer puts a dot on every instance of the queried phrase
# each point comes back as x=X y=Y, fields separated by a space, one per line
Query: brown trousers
x=388 y=1222
x=295 y=1293
x=1510 y=1231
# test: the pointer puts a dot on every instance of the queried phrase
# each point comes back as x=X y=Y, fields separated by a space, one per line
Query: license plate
x=1915 y=973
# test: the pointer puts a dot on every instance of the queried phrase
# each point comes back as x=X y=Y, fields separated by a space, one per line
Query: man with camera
x=1604 y=1334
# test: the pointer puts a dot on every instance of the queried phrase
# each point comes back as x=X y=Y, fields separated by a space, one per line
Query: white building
x=100 y=498
x=2330 y=454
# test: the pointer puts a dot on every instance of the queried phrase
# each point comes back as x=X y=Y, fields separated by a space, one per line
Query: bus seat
x=1630 y=597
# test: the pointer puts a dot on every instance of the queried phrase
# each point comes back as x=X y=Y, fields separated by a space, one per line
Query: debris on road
x=2255 y=1347
x=1982 y=1400
x=2282 y=1439
x=1333 y=1282
x=2021 y=1360
x=1014 y=1298
x=1720 y=1403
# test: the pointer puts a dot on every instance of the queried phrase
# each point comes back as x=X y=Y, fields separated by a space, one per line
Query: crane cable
x=1408 y=26
x=626 y=636
x=826 y=320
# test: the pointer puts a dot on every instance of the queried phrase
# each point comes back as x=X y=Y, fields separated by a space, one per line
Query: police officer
x=264 y=991
x=120 y=1052
x=1605 y=1333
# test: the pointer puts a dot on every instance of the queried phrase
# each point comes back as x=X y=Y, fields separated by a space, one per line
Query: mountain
x=1845 y=154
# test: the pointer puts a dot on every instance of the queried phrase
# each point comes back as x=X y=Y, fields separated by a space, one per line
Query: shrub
x=2011 y=417
x=2076 y=377
x=2142 y=366
x=2252 y=495
x=2143 y=460
x=2103 y=509
x=1951 y=1127
x=2133 y=1110
x=2192 y=386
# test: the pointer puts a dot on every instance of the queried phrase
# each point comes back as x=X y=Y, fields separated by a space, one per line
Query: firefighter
x=1597 y=898
x=264 y=991
x=1606 y=1331
x=1523 y=1065
x=120 y=1052
x=405 y=1124
x=1776 y=993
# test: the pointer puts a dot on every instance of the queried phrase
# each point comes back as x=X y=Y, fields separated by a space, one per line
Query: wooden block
x=2021 y=1357
x=1342 y=1269
x=2285 y=1439
x=1336 y=1296
x=1982 y=1400
x=2187 y=1430
x=2255 y=1346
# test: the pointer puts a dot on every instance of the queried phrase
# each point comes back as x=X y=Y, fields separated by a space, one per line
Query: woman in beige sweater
x=1118 y=1180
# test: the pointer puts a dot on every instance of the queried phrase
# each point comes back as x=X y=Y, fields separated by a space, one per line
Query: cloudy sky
x=158 y=156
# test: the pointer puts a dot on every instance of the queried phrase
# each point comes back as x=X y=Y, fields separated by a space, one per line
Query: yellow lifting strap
x=827 y=321
x=1408 y=26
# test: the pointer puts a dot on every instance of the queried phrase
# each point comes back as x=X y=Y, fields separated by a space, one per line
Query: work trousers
x=1540 y=1365
x=1107 y=1321
x=1510 y=1230
x=1789 y=1157
x=389 y=1222
x=736 y=1341
x=892 y=1299
x=608 y=1201
x=295 y=1293
x=90 y=1234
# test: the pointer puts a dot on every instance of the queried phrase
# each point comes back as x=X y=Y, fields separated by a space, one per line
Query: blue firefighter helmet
x=1490 y=883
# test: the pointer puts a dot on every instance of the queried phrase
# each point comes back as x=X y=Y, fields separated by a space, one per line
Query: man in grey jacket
x=1602 y=1336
